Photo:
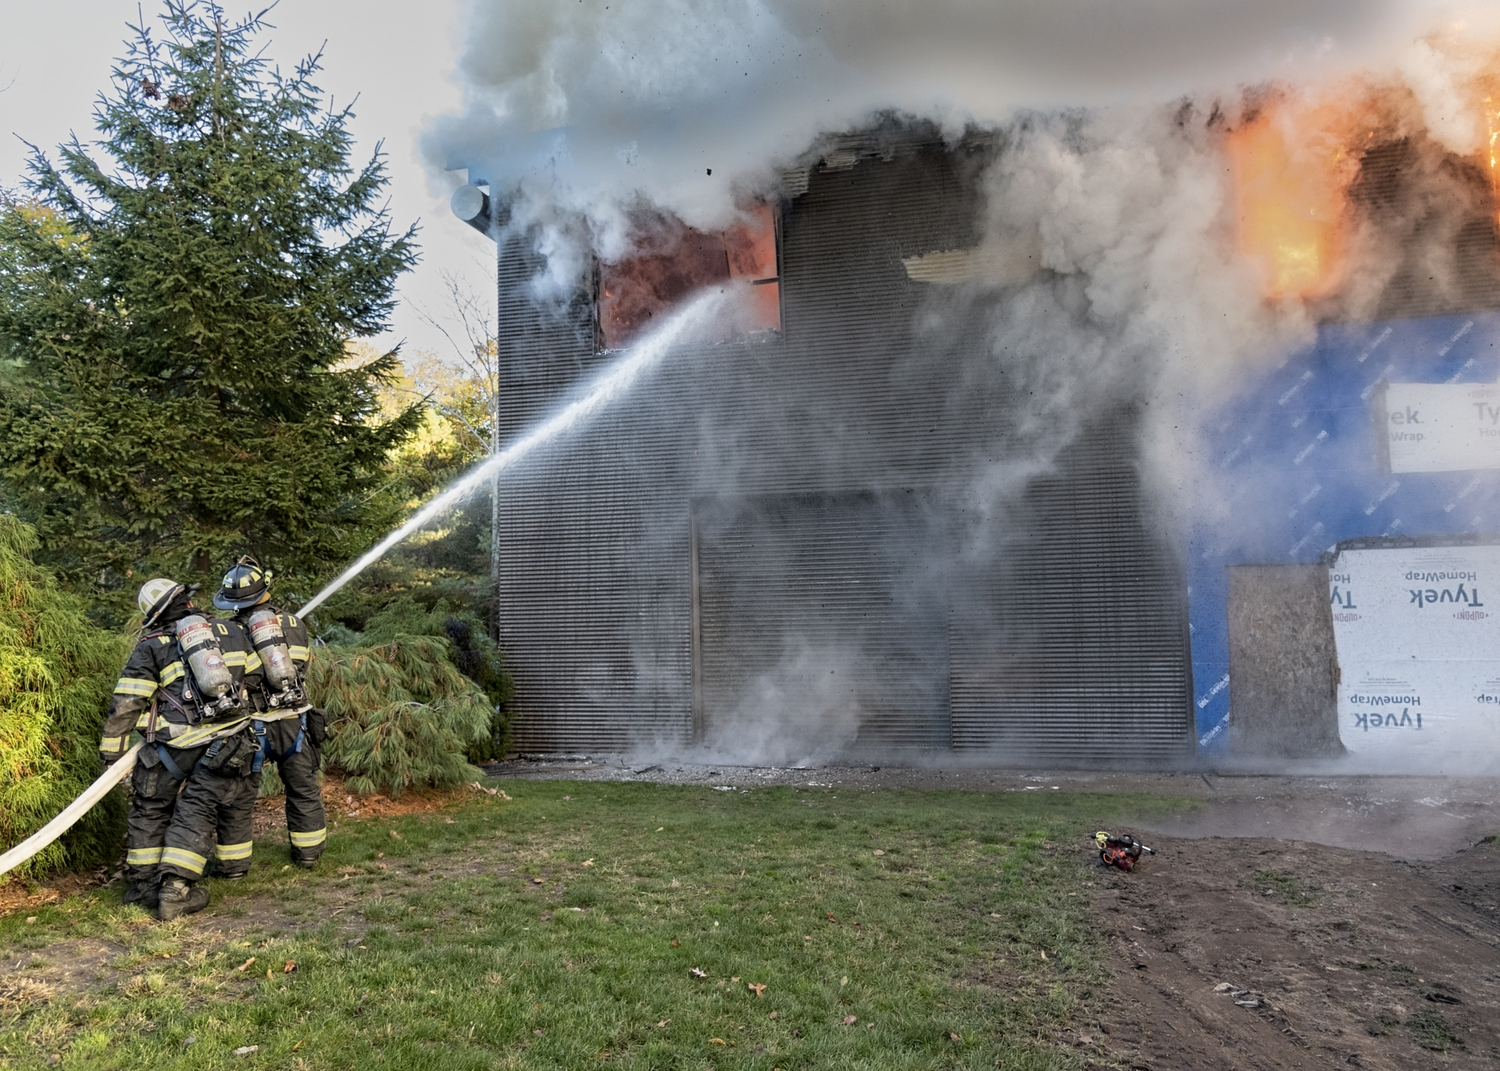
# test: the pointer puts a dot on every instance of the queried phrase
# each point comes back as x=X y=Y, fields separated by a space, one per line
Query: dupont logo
x=1364 y=395
x=1295 y=387
x=1310 y=447
x=1460 y=333
x=1390 y=489
x=1372 y=347
x=1207 y=697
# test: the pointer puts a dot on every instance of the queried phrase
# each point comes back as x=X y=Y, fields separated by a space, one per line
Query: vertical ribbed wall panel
x=1082 y=656
x=813 y=596
x=826 y=471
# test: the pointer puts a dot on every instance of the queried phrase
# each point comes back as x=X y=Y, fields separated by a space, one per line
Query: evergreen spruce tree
x=56 y=674
x=174 y=315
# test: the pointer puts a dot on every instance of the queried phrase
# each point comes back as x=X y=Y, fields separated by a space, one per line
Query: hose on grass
x=111 y=777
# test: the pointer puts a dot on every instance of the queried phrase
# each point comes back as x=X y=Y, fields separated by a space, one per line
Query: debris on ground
x=1119 y=850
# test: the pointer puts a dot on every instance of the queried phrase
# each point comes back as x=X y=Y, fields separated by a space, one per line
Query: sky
x=399 y=60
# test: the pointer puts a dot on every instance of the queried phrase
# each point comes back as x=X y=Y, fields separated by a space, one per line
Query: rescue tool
x=1120 y=849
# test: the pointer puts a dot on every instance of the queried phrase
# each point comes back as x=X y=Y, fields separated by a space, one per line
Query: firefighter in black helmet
x=291 y=730
x=184 y=690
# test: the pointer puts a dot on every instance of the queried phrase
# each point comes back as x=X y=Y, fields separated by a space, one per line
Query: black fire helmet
x=246 y=584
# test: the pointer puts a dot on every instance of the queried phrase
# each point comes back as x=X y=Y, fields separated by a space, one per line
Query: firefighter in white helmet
x=184 y=690
x=290 y=728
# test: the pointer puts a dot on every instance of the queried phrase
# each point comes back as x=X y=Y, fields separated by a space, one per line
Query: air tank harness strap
x=265 y=752
x=262 y=746
x=165 y=755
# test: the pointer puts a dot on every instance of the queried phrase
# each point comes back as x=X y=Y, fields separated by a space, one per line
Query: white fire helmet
x=155 y=596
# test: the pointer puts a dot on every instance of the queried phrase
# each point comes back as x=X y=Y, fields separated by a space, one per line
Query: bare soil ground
x=1260 y=953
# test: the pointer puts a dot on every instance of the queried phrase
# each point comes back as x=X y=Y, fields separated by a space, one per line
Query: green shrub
x=469 y=649
x=56 y=674
x=400 y=714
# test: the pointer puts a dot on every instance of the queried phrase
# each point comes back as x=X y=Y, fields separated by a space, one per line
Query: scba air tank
x=275 y=659
x=200 y=649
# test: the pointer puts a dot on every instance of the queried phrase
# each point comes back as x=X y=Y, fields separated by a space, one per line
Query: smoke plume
x=1116 y=257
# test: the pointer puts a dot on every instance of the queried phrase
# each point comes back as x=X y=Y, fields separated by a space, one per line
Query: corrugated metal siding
x=1434 y=217
x=1085 y=657
x=815 y=593
x=836 y=451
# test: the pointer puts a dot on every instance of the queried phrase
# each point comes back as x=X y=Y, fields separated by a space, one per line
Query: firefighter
x=184 y=690
x=291 y=730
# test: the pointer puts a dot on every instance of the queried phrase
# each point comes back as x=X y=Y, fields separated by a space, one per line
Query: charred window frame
x=677 y=260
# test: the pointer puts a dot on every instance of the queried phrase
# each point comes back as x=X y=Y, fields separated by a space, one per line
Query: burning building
x=931 y=489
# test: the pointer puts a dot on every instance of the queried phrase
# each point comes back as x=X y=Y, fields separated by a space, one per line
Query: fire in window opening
x=674 y=260
x=1292 y=166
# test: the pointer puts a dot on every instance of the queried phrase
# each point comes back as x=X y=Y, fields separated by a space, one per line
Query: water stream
x=645 y=354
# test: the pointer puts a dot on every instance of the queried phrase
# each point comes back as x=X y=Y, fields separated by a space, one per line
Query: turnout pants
x=295 y=747
x=153 y=798
x=181 y=814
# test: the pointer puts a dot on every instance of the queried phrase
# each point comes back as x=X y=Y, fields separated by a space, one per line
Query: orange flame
x=1289 y=189
x=1492 y=121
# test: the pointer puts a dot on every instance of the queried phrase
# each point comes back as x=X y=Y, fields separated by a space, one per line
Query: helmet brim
x=225 y=603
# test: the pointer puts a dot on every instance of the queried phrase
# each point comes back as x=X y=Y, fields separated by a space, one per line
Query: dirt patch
x=19 y=895
x=1251 y=952
x=339 y=802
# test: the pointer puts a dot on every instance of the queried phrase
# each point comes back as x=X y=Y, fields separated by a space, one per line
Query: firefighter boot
x=146 y=893
x=178 y=898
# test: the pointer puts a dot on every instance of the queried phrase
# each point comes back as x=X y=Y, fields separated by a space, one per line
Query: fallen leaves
x=676 y=944
x=496 y=792
x=493 y=979
x=246 y=1050
x=879 y=851
x=588 y=862
x=395 y=835
x=697 y=972
x=246 y=964
x=850 y=1020
x=662 y=1024
x=758 y=988
x=831 y=917
x=721 y=1041
x=291 y=965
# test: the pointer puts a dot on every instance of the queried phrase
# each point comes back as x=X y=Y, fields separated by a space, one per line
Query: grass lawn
x=588 y=924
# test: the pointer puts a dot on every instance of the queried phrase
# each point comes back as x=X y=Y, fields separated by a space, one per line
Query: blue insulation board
x=1298 y=469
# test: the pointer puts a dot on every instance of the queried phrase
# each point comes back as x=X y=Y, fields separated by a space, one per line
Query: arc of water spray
x=645 y=354
x=605 y=389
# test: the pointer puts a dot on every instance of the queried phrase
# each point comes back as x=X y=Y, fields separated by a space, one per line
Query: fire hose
x=111 y=777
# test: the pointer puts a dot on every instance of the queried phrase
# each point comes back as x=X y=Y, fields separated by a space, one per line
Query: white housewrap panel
x=1418 y=640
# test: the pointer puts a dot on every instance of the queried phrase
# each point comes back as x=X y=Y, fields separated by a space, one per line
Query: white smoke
x=656 y=93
